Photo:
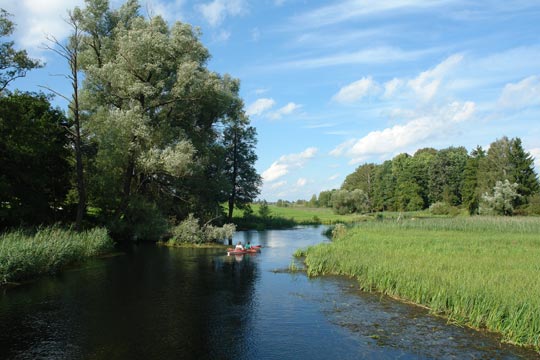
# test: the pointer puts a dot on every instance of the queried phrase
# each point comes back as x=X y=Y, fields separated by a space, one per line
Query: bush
x=142 y=221
x=189 y=231
x=440 y=208
x=338 y=231
x=502 y=201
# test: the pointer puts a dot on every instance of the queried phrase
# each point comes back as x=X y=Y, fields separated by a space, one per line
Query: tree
x=158 y=117
x=503 y=198
x=239 y=140
x=362 y=178
x=264 y=210
x=13 y=63
x=348 y=202
x=70 y=51
x=34 y=159
x=470 y=191
x=384 y=189
x=522 y=170
x=446 y=175
x=507 y=160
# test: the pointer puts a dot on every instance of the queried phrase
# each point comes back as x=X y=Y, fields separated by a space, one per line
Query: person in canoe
x=248 y=245
x=239 y=246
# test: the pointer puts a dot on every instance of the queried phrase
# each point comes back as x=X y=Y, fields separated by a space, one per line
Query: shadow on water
x=163 y=303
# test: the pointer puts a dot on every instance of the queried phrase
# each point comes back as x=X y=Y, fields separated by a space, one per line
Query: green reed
x=482 y=272
x=23 y=256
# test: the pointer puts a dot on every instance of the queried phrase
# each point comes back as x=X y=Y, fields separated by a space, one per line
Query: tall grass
x=23 y=256
x=481 y=272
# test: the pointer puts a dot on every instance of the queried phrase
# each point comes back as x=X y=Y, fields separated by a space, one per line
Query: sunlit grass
x=482 y=272
x=23 y=256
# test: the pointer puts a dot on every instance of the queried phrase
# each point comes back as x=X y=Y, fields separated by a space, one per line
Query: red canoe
x=253 y=250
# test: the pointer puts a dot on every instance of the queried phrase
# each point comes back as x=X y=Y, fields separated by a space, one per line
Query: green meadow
x=482 y=272
x=302 y=215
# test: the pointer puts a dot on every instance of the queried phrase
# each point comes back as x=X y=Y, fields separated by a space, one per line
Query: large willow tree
x=153 y=112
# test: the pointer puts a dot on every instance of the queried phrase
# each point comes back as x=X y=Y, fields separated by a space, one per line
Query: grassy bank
x=24 y=256
x=283 y=217
x=481 y=272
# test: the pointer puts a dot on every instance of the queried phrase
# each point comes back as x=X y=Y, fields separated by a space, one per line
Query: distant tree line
x=151 y=135
x=501 y=180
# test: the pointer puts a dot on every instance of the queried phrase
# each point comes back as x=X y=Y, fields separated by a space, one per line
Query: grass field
x=24 y=256
x=481 y=272
x=305 y=215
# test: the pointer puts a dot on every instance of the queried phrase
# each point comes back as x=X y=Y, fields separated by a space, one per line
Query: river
x=176 y=303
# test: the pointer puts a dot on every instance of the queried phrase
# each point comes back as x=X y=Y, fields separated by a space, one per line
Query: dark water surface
x=161 y=303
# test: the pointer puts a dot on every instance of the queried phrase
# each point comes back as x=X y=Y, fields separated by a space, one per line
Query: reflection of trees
x=161 y=303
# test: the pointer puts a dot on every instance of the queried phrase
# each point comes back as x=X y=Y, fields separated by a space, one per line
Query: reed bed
x=24 y=256
x=480 y=272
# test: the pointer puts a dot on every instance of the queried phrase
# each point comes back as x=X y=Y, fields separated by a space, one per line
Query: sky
x=331 y=85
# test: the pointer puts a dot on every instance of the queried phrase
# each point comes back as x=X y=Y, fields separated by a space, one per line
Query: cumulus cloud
x=35 y=19
x=356 y=90
x=260 y=106
x=287 y=163
x=521 y=94
x=400 y=137
x=285 y=110
x=216 y=12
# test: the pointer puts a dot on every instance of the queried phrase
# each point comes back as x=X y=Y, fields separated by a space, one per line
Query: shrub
x=189 y=231
x=502 y=201
x=338 y=231
x=440 y=208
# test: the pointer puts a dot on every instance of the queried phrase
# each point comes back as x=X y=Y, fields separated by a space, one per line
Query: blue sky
x=330 y=85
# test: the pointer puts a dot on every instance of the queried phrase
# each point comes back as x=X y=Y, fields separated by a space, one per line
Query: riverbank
x=481 y=272
x=48 y=250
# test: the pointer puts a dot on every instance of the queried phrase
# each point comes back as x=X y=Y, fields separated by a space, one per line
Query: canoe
x=253 y=250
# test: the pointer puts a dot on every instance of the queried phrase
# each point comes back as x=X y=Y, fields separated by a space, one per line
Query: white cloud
x=169 y=10
x=350 y=9
x=217 y=11
x=390 y=87
x=222 y=36
x=522 y=94
x=260 y=106
x=301 y=182
x=285 y=110
x=378 y=55
x=536 y=155
x=400 y=137
x=286 y=163
x=426 y=85
x=333 y=177
x=356 y=90
x=255 y=34
x=278 y=184
x=35 y=19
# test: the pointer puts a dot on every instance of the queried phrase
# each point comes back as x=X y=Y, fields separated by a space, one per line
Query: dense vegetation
x=151 y=134
x=479 y=271
x=23 y=256
x=499 y=181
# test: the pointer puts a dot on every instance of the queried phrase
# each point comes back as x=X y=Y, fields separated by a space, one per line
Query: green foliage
x=338 y=231
x=142 y=221
x=478 y=271
x=264 y=210
x=501 y=202
x=189 y=231
x=440 y=208
x=348 y=202
x=34 y=159
x=23 y=256
x=13 y=63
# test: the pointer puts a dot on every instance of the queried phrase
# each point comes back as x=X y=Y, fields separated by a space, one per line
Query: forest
x=499 y=181
x=151 y=136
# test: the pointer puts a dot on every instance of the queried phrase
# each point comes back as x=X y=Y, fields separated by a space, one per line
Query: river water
x=162 y=303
